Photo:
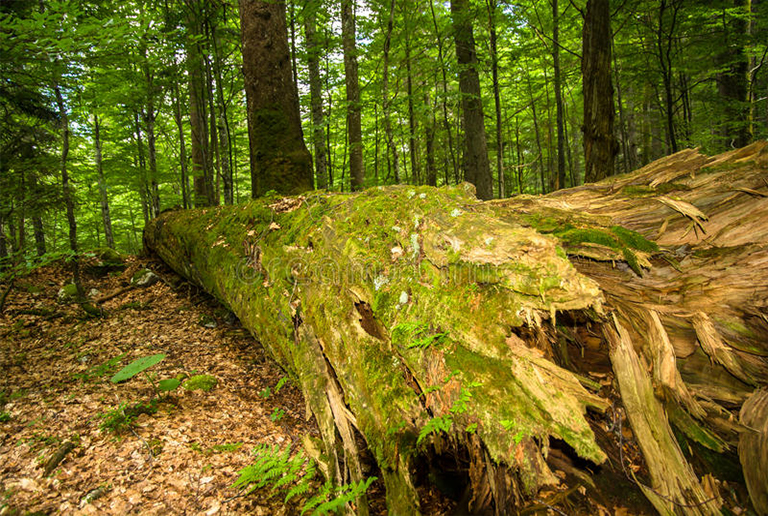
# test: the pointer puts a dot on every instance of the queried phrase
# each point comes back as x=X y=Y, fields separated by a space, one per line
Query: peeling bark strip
x=422 y=319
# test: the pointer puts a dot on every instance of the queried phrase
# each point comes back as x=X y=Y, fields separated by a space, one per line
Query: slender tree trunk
x=280 y=160
x=198 y=115
x=354 y=108
x=491 y=5
x=623 y=129
x=39 y=231
x=558 y=96
x=446 y=121
x=537 y=132
x=316 y=95
x=3 y=242
x=104 y=200
x=141 y=162
x=149 y=117
x=185 y=197
x=429 y=137
x=412 y=147
x=386 y=105
x=600 y=144
x=225 y=137
x=732 y=82
x=214 y=154
x=67 y=192
x=477 y=169
x=664 y=48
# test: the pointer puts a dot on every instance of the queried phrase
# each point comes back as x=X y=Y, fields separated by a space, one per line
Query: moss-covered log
x=423 y=321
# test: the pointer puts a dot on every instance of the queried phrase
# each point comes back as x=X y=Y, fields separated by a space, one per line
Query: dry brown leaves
x=175 y=461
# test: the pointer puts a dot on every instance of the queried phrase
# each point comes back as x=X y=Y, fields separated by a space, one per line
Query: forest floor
x=55 y=388
x=183 y=456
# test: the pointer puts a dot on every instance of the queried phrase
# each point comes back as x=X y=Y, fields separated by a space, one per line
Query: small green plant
x=122 y=417
x=137 y=366
x=417 y=335
x=277 y=414
x=265 y=393
x=4 y=417
x=293 y=475
x=444 y=423
x=100 y=370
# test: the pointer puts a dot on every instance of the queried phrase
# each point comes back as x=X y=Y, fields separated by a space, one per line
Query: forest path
x=54 y=386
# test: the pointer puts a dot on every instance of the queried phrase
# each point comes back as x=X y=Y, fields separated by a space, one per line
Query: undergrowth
x=292 y=476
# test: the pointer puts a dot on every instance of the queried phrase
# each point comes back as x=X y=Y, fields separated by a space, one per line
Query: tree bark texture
x=280 y=160
x=316 y=96
x=106 y=219
x=354 y=108
x=477 y=168
x=600 y=146
x=431 y=323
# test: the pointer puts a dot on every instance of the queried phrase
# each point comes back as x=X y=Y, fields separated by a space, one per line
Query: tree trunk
x=491 y=5
x=412 y=144
x=316 y=96
x=664 y=40
x=103 y=199
x=141 y=164
x=558 y=97
x=225 y=138
x=67 y=191
x=149 y=115
x=733 y=81
x=185 y=197
x=198 y=110
x=386 y=104
x=492 y=353
x=39 y=231
x=600 y=144
x=280 y=160
x=477 y=169
x=446 y=121
x=354 y=108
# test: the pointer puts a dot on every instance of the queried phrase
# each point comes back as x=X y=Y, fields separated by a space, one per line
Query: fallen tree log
x=421 y=322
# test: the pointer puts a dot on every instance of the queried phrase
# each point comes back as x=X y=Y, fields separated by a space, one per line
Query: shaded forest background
x=133 y=107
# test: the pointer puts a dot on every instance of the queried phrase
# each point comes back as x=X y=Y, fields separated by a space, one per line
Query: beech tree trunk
x=477 y=168
x=316 y=96
x=280 y=160
x=354 y=108
x=431 y=324
x=106 y=219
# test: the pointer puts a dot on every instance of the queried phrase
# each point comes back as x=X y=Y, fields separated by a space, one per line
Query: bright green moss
x=634 y=239
x=588 y=236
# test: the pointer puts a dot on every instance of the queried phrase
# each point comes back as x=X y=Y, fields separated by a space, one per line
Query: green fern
x=273 y=467
x=294 y=474
x=416 y=335
x=435 y=425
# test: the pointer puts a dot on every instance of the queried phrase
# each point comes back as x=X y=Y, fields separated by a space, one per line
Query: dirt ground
x=55 y=388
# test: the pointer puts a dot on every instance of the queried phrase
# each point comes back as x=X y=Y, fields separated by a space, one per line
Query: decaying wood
x=404 y=309
x=57 y=457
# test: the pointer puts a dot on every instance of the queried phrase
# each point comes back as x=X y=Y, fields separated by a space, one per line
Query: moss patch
x=202 y=382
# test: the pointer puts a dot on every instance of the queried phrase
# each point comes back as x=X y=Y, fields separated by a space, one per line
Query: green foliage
x=202 y=382
x=168 y=385
x=275 y=467
x=417 y=335
x=4 y=417
x=435 y=425
x=590 y=236
x=634 y=239
x=344 y=495
x=136 y=367
x=293 y=475
x=121 y=418
x=277 y=414
x=101 y=370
